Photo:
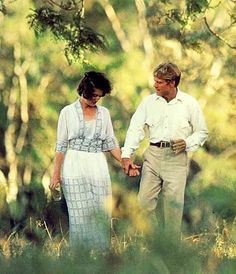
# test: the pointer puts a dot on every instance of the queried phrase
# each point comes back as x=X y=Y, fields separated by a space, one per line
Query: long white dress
x=85 y=177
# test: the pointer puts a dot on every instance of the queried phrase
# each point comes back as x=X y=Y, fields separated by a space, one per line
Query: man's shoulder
x=186 y=98
x=149 y=98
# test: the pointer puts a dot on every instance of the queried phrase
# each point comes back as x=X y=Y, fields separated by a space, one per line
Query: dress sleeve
x=110 y=141
x=62 y=133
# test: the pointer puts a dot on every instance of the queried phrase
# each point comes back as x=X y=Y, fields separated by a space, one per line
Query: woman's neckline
x=90 y=120
x=83 y=113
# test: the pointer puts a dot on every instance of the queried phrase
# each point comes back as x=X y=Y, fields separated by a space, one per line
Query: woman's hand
x=129 y=167
x=56 y=179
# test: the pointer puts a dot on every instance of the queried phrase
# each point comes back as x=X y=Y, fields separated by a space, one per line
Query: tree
x=186 y=23
x=192 y=24
x=65 y=21
x=35 y=83
x=32 y=91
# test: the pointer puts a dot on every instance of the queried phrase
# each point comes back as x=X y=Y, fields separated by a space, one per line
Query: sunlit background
x=36 y=81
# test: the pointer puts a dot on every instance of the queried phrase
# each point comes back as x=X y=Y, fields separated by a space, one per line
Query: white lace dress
x=85 y=177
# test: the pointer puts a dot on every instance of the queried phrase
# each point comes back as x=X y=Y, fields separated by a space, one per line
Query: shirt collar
x=178 y=97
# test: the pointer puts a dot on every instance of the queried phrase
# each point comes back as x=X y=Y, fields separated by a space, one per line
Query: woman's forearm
x=56 y=177
x=59 y=158
x=116 y=153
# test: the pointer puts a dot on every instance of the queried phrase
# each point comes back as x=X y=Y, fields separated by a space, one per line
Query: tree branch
x=217 y=35
x=10 y=133
x=71 y=5
x=147 y=41
x=3 y=179
x=20 y=71
x=116 y=25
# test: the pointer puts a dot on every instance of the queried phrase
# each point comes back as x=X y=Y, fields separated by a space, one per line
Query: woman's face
x=97 y=94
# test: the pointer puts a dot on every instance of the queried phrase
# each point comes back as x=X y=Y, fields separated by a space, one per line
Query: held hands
x=178 y=145
x=130 y=168
x=133 y=172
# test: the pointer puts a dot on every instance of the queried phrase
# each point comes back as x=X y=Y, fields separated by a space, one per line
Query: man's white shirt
x=181 y=118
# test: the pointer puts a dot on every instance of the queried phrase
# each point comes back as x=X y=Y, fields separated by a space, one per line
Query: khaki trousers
x=165 y=172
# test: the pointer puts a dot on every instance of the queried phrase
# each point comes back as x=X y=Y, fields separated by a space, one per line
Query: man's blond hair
x=168 y=71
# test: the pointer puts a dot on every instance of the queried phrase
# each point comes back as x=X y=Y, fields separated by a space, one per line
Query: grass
x=208 y=252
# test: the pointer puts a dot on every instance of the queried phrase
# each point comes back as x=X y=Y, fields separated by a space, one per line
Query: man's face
x=163 y=87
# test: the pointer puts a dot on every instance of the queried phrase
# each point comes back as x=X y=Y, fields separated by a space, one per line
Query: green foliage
x=221 y=201
x=45 y=18
x=184 y=24
x=2 y=7
x=34 y=69
x=71 y=29
x=154 y=254
x=195 y=7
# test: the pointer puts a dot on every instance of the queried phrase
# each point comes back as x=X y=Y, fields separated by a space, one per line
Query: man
x=176 y=125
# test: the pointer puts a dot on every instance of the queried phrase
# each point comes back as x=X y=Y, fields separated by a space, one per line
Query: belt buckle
x=162 y=144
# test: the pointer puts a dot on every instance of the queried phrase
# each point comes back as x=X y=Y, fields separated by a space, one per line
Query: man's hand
x=129 y=167
x=134 y=172
x=178 y=145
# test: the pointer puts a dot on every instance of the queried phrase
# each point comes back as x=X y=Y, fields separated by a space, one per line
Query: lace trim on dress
x=61 y=146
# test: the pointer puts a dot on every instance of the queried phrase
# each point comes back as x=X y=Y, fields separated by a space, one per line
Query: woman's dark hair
x=92 y=80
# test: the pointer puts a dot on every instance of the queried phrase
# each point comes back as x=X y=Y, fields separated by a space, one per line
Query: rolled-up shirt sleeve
x=199 y=128
x=62 y=133
x=110 y=141
x=135 y=131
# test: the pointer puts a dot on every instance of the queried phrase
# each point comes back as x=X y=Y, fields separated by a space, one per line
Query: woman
x=84 y=132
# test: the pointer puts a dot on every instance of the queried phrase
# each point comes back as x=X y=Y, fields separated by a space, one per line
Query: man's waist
x=161 y=144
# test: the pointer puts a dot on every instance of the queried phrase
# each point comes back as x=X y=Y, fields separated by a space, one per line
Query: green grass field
x=130 y=252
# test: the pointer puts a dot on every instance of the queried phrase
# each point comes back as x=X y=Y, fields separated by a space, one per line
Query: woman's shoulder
x=68 y=108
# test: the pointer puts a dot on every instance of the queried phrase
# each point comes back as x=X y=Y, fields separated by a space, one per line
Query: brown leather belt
x=161 y=144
